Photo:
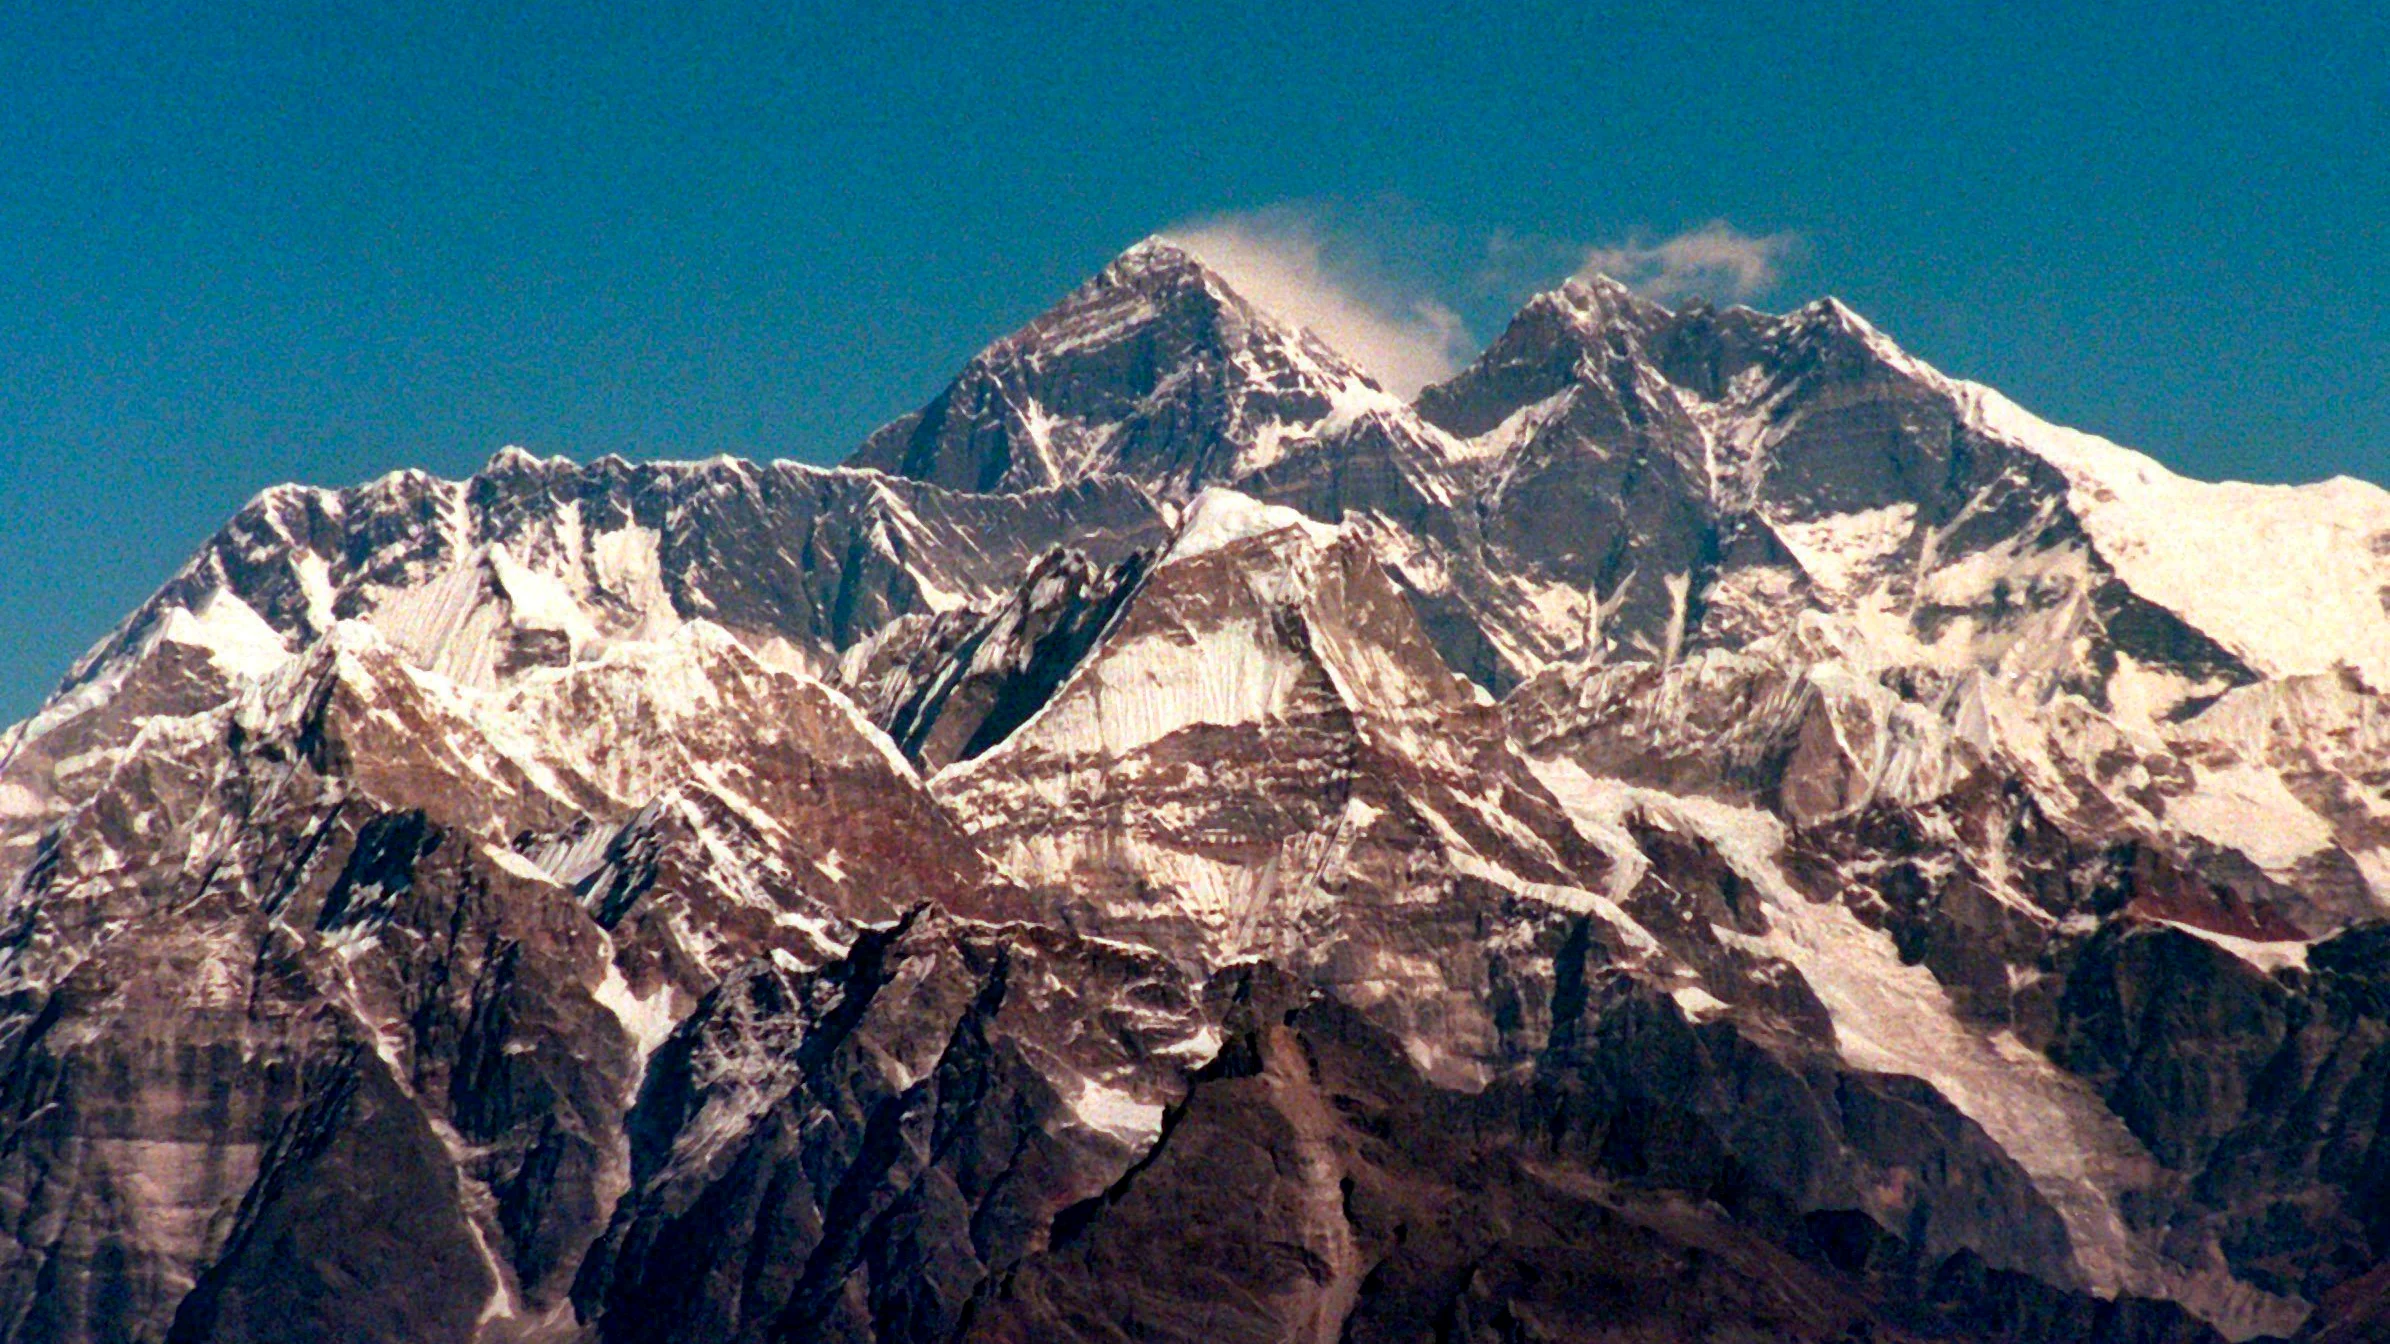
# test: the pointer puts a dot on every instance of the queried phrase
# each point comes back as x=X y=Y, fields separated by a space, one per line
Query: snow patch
x=2265 y=956
x=1141 y=690
x=831 y=866
x=2249 y=809
x=234 y=636
x=1108 y=1110
x=1835 y=551
x=648 y=1019
x=1219 y=517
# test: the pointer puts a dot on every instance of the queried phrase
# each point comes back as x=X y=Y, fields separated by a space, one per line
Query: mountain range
x=1699 y=827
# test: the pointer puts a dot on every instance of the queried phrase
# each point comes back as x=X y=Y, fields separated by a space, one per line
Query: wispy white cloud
x=1717 y=261
x=1283 y=261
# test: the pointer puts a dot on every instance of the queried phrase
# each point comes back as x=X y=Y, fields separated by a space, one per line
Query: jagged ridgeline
x=1698 y=828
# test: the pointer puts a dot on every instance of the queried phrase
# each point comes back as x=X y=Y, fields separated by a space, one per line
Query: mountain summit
x=1699 y=826
x=1155 y=369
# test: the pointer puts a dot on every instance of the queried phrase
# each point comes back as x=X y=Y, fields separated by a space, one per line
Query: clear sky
x=248 y=243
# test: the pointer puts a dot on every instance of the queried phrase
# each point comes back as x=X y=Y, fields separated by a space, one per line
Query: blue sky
x=245 y=244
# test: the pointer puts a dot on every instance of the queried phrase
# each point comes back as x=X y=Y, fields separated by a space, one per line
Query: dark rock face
x=855 y=1154
x=2267 y=1092
x=131 y=1157
x=312 y=1253
x=1069 y=876
x=1302 y=1176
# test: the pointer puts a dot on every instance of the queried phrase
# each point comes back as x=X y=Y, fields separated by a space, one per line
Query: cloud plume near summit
x=1282 y=261
x=1717 y=261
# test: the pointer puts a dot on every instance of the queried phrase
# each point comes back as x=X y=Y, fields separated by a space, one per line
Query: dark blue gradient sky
x=248 y=243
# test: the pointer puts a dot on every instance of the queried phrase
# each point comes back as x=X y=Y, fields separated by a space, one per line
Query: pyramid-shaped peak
x=1829 y=322
x=1175 y=276
x=1830 y=311
x=1598 y=298
x=1155 y=368
x=1152 y=279
x=1160 y=287
x=1154 y=270
x=1549 y=345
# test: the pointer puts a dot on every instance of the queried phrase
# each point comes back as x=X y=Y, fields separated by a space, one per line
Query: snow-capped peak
x=2294 y=578
x=514 y=458
x=1157 y=369
x=1597 y=296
